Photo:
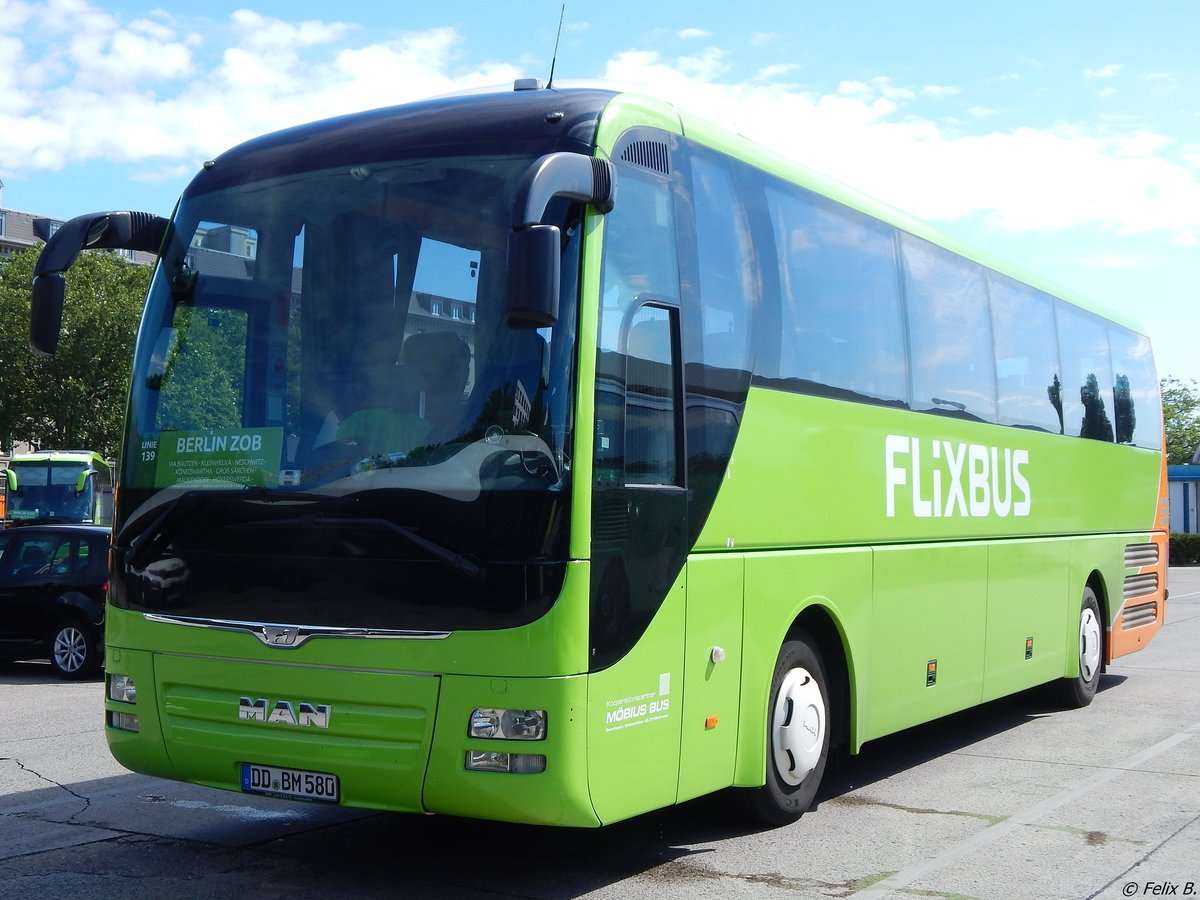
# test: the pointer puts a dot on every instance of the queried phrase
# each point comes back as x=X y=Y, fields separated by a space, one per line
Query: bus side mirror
x=94 y=231
x=82 y=480
x=534 y=262
x=45 y=314
x=534 y=248
x=10 y=481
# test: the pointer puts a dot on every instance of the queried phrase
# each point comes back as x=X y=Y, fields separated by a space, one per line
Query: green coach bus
x=55 y=486
x=554 y=456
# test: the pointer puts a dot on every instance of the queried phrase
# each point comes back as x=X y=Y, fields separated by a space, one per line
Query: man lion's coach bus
x=44 y=487
x=554 y=456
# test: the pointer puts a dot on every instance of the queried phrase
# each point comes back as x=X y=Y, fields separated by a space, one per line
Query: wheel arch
x=822 y=625
x=1096 y=582
x=81 y=606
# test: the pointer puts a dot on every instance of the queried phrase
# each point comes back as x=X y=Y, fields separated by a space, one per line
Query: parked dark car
x=53 y=579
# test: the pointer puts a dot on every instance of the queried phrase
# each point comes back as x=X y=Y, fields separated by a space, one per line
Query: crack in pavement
x=87 y=803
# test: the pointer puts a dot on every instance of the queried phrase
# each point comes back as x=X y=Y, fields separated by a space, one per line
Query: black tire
x=74 y=650
x=798 y=732
x=1077 y=692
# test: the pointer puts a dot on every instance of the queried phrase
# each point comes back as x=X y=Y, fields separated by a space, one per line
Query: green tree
x=1181 y=415
x=76 y=398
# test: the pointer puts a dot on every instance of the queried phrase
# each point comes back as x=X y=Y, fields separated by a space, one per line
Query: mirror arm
x=570 y=175
x=534 y=248
x=94 y=231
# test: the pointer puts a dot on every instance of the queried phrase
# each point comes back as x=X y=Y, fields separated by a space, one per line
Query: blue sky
x=1061 y=135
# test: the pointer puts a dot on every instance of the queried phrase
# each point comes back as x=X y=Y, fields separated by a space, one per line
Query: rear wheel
x=74 y=650
x=1078 y=691
x=797 y=735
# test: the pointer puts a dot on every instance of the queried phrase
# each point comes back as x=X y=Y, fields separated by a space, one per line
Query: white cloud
x=769 y=73
x=1103 y=72
x=116 y=101
x=940 y=91
x=154 y=93
x=692 y=34
x=1023 y=179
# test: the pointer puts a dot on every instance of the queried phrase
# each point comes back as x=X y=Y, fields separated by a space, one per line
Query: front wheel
x=797 y=735
x=74 y=650
x=1078 y=692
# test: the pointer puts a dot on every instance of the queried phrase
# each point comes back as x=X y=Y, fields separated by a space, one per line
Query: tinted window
x=1087 y=374
x=950 y=332
x=33 y=555
x=650 y=400
x=724 y=263
x=632 y=377
x=842 y=326
x=1137 y=407
x=1026 y=355
x=203 y=369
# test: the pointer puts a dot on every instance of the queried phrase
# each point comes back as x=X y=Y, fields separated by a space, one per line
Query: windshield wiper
x=452 y=559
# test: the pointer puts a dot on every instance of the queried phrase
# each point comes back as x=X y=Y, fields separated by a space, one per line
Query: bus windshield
x=335 y=340
x=50 y=491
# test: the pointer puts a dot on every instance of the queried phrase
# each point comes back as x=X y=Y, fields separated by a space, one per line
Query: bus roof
x=80 y=456
x=563 y=119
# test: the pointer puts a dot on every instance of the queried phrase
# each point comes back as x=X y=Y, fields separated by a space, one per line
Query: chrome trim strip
x=291 y=636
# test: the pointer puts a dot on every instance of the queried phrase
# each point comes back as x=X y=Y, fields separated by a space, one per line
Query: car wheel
x=74 y=650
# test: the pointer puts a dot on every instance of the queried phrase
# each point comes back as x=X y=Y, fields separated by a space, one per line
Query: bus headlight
x=516 y=763
x=508 y=724
x=123 y=721
x=121 y=689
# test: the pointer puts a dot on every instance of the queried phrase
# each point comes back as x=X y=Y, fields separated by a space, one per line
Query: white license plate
x=295 y=784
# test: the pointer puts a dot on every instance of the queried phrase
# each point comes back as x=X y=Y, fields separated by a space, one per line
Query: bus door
x=639 y=544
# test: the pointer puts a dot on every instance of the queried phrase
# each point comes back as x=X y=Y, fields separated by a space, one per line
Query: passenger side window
x=1137 y=406
x=950 y=332
x=1026 y=355
x=1086 y=392
x=635 y=375
x=727 y=279
x=32 y=556
x=841 y=316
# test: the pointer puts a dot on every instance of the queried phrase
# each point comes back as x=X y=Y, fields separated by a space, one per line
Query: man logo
x=281 y=712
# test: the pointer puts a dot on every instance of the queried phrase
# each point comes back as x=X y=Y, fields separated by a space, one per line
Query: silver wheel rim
x=1089 y=644
x=798 y=734
x=70 y=649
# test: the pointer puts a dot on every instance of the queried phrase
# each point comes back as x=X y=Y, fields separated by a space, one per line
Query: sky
x=1060 y=135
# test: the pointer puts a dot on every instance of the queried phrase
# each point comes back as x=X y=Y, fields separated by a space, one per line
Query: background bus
x=58 y=486
x=555 y=456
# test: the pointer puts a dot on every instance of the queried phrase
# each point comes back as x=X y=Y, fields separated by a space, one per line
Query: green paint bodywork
x=799 y=535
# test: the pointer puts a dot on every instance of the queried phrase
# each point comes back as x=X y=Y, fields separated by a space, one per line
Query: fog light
x=508 y=724
x=121 y=689
x=514 y=763
x=123 y=721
